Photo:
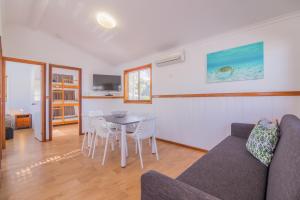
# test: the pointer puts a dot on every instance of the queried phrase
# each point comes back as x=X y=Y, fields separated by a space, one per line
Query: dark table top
x=128 y=119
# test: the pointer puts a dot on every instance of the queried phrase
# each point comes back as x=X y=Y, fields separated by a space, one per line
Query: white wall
x=19 y=87
x=282 y=50
x=22 y=42
x=204 y=122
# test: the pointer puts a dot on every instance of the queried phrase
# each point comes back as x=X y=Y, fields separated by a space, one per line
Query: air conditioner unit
x=171 y=59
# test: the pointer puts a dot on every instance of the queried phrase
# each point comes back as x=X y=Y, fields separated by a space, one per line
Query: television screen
x=106 y=82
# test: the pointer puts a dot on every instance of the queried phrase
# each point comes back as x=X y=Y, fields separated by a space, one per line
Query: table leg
x=123 y=150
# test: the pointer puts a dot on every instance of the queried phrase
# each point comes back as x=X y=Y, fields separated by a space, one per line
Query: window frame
x=126 y=90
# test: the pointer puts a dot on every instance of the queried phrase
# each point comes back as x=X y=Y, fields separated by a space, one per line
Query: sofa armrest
x=156 y=186
x=241 y=130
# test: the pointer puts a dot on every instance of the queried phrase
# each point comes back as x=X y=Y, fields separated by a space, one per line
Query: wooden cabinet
x=23 y=121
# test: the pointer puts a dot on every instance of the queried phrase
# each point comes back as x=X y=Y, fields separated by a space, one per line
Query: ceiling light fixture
x=106 y=20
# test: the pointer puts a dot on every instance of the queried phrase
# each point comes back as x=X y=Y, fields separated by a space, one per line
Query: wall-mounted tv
x=103 y=82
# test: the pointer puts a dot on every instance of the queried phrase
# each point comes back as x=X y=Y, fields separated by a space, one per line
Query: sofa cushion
x=284 y=171
x=262 y=141
x=228 y=172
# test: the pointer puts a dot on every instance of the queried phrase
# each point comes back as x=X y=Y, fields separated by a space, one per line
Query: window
x=138 y=85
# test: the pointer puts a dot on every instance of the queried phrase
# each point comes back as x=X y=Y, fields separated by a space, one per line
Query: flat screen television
x=103 y=82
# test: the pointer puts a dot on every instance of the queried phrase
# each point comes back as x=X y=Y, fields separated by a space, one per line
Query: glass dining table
x=123 y=122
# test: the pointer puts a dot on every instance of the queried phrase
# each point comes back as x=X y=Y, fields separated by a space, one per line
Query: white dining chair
x=104 y=131
x=145 y=129
x=89 y=129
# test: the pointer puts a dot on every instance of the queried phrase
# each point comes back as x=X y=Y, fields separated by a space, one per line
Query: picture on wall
x=236 y=64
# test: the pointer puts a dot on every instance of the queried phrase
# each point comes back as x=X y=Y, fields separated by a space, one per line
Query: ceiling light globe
x=106 y=20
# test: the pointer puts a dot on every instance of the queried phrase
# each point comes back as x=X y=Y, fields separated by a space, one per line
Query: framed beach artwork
x=236 y=64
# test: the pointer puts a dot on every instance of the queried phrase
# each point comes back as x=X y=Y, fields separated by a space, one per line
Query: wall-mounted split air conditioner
x=171 y=59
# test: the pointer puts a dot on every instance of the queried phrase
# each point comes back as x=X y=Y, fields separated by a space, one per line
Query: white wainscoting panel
x=204 y=122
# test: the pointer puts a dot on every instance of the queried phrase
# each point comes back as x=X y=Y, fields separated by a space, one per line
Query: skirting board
x=183 y=145
x=178 y=144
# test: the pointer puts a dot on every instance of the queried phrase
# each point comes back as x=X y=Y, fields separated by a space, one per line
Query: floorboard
x=58 y=170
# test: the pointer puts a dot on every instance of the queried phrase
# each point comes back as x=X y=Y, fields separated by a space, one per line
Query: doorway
x=65 y=98
x=2 y=103
x=24 y=99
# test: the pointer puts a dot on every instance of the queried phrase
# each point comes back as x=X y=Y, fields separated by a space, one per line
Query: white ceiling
x=144 y=26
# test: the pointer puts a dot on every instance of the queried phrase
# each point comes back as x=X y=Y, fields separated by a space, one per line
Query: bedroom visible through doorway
x=24 y=99
x=65 y=101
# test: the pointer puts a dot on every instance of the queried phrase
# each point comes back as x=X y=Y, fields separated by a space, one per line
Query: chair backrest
x=90 y=119
x=101 y=127
x=284 y=171
x=146 y=128
x=93 y=116
x=95 y=113
x=146 y=115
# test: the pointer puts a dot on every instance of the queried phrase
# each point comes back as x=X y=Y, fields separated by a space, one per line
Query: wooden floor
x=58 y=170
x=63 y=130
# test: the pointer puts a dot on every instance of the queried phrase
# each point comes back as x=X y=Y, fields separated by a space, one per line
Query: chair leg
x=105 y=150
x=126 y=147
x=112 y=145
x=91 y=142
x=127 y=153
x=155 y=146
x=102 y=141
x=118 y=140
x=90 y=138
x=94 y=146
x=136 y=147
x=83 y=141
x=140 y=152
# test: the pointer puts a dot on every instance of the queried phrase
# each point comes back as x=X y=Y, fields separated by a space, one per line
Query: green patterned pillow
x=262 y=141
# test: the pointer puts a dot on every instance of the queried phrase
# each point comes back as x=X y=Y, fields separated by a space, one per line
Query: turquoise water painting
x=236 y=64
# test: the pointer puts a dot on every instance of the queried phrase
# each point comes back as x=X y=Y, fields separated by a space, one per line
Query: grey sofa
x=230 y=172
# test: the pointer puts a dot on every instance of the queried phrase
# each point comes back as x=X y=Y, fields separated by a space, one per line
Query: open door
x=36 y=103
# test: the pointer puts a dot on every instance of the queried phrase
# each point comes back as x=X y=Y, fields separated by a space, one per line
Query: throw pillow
x=263 y=140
